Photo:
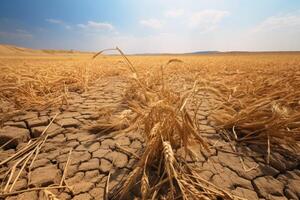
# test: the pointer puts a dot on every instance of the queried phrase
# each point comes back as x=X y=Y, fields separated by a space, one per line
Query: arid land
x=223 y=126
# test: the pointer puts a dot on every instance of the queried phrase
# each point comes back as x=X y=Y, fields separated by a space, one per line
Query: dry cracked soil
x=94 y=156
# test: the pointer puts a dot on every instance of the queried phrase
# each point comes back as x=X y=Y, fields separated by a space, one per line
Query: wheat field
x=254 y=99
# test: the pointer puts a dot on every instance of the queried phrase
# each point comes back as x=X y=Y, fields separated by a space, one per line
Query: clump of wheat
x=160 y=115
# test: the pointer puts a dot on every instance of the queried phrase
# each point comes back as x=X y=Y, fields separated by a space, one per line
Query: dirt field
x=221 y=126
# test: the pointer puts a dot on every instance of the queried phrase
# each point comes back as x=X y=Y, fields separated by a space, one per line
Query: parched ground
x=95 y=155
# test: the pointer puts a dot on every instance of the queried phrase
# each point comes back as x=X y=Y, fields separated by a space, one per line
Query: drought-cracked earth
x=95 y=155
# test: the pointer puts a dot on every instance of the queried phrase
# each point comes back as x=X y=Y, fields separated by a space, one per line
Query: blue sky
x=153 y=26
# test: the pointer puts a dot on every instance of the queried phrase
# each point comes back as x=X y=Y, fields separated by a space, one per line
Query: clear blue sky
x=152 y=25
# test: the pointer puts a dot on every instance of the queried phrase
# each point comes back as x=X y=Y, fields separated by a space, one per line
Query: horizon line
x=196 y=52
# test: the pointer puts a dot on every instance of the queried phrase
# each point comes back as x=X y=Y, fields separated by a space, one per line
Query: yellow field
x=252 y=98
x=40 y=79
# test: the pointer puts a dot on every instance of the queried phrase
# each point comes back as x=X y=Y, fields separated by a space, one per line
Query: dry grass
x=42 y=82
x=263 y=110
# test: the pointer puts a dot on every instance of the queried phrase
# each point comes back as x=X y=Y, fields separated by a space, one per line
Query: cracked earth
x=96 y=155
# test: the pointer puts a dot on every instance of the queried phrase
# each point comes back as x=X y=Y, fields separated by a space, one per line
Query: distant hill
x=241 y=52
x=11 y=50
x=204 y=52
x=7 y=50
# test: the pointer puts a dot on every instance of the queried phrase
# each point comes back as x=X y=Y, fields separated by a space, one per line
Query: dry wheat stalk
x=145 y=183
